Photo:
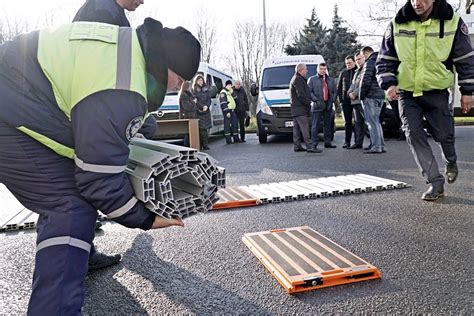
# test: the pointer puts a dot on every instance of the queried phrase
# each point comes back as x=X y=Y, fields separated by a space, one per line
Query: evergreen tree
x=341 y=43
x=311 y=39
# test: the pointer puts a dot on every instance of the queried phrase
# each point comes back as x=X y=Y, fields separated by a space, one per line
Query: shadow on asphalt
x=447 y=200
x=184 y=288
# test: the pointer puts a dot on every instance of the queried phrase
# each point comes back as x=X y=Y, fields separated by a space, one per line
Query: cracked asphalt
x=424 y=250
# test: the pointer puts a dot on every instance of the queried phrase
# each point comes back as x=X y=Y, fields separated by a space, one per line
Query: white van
x=273 y=104
x=169 y=110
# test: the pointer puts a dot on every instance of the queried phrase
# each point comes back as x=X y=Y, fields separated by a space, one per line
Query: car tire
x=262 y=138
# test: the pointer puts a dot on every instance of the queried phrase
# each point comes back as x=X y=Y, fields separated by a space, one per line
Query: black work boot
x=434 y=192
x=99 y=260
x=451 y=172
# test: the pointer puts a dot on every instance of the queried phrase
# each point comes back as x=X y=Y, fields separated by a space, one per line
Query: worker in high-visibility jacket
x=415 y=65
x=228 y=105
x=71 y=98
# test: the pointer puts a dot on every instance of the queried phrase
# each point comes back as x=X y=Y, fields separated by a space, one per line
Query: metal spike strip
x=24 y=219
x=173 y=181
x=303 y=189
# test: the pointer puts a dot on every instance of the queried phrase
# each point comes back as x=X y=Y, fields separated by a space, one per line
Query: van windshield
x=280 y=77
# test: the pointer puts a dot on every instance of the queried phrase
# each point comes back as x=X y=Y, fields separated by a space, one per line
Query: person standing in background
x=343 y=84
x=353 y=92
x=242 y=107
x=203 y=96
x=300 y=100
x=372 y=98
x=228 y=105
x=323 y=94
x=187 y=106
x=107 y=11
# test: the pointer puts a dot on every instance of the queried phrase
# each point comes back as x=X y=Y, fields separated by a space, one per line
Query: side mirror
x=213 y=91
x=254 y=89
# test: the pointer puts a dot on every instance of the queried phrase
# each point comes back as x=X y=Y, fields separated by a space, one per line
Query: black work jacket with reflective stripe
x=97 y=129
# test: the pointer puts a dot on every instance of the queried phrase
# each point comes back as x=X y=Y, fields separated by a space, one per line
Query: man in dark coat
x=228 y=105
x=323 y=94
x=66 y=120
x=372 y=98
x=343 y=84
x=204 y=101
x=107 y=11
x=242 y=107
x=300 y=107
x=353 y=92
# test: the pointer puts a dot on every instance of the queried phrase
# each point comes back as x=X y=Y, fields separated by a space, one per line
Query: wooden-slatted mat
x=301 y=259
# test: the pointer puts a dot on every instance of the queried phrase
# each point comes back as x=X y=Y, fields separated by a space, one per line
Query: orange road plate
x=301 y=259
x=234 y=197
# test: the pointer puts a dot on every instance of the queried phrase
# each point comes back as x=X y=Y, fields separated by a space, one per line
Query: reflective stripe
x=48 y=142
x=388 y=57
x=64 y=240
x=98 y=168
x=124 y=59
x=124 y=209
x=463 y=57
x=387 y=74
x=466 y=81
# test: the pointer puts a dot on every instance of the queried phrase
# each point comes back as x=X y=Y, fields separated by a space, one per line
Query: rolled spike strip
x=186 y=187
x=143 y=188
x=178 y=170
x=147 y=157
x=164 y=191
x=184 y=153
x=220 y=177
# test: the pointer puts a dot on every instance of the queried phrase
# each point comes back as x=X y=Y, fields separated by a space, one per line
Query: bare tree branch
x=206 y=34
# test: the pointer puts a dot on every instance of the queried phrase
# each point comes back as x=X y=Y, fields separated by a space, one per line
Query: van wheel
x=262 y=138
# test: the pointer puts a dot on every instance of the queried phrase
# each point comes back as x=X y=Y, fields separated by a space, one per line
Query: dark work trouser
x=396 y=112
x=44 y=183
x=301 y=127
x=433 y=105
x=359 y=126
x=241 y=119
x=204 y=136
x=230 y=127
x=347 y=109
x=316 y=122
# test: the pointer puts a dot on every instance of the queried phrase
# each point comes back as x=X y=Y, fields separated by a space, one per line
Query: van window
x=219 y=84
x=209 y=80
x=280 y=77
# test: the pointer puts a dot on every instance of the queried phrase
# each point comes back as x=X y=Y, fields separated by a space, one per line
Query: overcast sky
x=224 y=13
x=179 y=12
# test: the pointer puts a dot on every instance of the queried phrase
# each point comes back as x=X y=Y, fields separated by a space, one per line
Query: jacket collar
x=441 y=11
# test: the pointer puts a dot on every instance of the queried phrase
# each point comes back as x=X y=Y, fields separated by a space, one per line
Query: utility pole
x=264 y=31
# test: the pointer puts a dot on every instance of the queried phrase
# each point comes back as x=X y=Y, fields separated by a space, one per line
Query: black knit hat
x=176 y=49
x=183 y=52
x=228 y=82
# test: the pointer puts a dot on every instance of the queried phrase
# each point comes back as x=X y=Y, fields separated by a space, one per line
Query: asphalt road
x=424 y=250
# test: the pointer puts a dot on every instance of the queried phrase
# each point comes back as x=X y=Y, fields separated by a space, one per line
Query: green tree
x=341 y=42
x=311 y=40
